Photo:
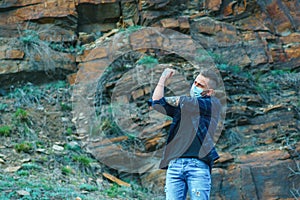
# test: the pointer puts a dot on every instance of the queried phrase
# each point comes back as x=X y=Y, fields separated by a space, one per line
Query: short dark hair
x=212 y=76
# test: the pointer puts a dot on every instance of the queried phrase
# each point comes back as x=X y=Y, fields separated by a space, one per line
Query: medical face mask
x=196 y=91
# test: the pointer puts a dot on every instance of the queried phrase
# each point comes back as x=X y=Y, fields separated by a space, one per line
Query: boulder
x=38 y=15
x=98 y=16
x=250 y=179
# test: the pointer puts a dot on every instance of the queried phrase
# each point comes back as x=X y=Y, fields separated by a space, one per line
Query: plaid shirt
x=194 y=124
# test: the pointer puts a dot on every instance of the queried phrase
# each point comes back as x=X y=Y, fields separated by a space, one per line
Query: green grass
x=147 y=60
x=56 y=85
x=249 y=149
x=218 y=59
x=21 y=114
x=33 y=46
x=69 y=131
x=83 y=160
x=88 y=187
x=74 y=147
x=33 y=96
x=37 y=189
x=65 y=107
x=67 y=48
x=131 y=29
x=279 y=72
x=29 y=37
x=3 y=106
x=25 y=147
x=23 y=173
x=30 y=166
x=225 y=67
x=113 y=191
x=5 y=130
x=67 y=170
x=109 y=127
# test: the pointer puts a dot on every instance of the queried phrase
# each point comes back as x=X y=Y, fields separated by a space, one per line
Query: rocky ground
x=41 y=154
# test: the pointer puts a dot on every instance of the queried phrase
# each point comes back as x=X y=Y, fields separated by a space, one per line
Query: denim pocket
x=199 y=164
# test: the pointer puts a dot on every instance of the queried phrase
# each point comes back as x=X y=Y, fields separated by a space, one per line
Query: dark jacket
x=194 y=124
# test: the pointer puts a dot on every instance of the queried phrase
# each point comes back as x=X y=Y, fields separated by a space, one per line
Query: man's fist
x=168 y=73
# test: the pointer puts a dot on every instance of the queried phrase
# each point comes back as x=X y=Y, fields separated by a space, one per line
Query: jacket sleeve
x=195 y=105
x=163 y=107
x=209 y=106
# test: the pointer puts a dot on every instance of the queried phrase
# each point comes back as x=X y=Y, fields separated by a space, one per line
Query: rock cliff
x=255 y=45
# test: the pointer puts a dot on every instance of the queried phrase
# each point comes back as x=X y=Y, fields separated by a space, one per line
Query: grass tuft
x=88 y=187
x=5 y=130
x=25 y=147
x=21 y=115
x=83 y=160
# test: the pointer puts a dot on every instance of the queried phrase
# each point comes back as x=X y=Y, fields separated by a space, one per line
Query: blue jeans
x=188 y=175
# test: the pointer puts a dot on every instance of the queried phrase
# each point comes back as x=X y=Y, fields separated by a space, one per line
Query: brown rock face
x=30 y=28
x=98 y=16
x=254 y=172
x=214 y=5
x=254 y=43
x=16 y=16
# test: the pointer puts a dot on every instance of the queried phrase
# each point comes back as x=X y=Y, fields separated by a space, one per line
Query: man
x=189 y=153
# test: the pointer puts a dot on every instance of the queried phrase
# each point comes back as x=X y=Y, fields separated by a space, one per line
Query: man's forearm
x=159 y=89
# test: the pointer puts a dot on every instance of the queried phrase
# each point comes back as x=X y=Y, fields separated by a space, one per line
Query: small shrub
x=109 y=126
x=259 y=88
x=56 y=85
x=21 y=114
x=30 y=166
x=149 y=61
x=5 y=130
x=29 y=37
x=67 y=48
x=106 y=125
x=218 y=59
x=85 y=161
x=40 y=144
x=67 y=170
x=226 y=67
x=65 y=107
x=23 y=173
x=279 y=72
x=131 y=29
x=69 y=131
x=88 y=187
x=25 y=147
x=3 y=106
x=113 y=191
x=249 y=149
x=272 y=85
x=39 y=188
x=72 y=147
x=33 y=47
x=29 y=95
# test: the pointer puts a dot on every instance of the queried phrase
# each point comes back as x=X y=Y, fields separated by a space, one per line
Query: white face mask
x=196 y=91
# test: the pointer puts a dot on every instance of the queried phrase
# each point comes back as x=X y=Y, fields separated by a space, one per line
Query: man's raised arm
x=159 y=89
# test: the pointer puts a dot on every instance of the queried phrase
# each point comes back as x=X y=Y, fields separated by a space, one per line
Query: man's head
x=205 y=84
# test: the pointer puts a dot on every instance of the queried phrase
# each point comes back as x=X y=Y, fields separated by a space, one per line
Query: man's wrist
x=162 y=80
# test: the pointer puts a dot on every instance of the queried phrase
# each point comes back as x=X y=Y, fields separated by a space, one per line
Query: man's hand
x=159 y=89
x=168 y=73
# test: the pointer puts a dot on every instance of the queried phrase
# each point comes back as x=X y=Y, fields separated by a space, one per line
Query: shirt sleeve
x=163 y=107
x=194 y=105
